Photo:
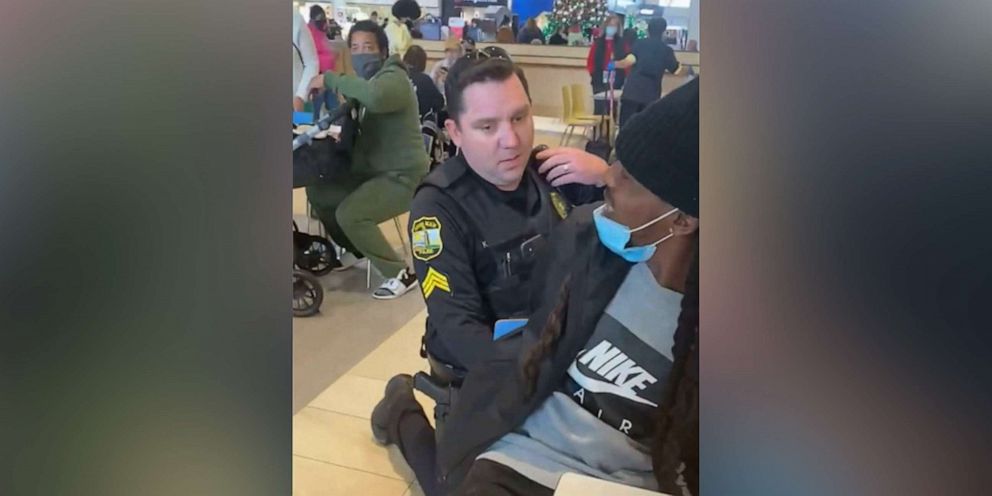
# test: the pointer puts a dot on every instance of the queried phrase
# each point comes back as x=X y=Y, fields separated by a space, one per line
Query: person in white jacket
x=305 y=63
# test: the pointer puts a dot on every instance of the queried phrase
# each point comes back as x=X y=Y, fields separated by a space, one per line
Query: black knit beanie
x=660 y=147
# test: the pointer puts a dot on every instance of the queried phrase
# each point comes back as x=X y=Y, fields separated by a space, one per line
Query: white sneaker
x=396 y=286
x=348 y=260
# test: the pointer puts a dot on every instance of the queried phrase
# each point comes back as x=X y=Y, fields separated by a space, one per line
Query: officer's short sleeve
x=441 y=242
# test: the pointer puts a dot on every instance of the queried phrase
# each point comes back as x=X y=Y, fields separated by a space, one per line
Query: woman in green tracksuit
x=388 y=159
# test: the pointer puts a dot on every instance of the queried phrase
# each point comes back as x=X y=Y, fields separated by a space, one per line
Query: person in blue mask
x=607 y=384
x=608 y=47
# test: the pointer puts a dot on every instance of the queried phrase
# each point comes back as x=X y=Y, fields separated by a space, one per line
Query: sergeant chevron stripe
x=434 y=280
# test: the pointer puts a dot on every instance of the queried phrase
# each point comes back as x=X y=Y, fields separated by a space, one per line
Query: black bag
x=325 y=160
x=319 y=162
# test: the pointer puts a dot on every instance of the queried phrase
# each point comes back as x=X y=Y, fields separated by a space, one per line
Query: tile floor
x=333 y=450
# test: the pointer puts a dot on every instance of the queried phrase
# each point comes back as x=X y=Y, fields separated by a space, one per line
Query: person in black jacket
x=560 y=37
x=429 y=98
x=648 y=62
x=479 y=220
x=530 y=32
x=608 y=381
x=478 y=224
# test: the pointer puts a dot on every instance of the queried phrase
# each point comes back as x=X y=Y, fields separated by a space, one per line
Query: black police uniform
x=474 y=247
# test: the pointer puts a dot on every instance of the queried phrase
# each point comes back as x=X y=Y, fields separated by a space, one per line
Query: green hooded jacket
x=389 y=139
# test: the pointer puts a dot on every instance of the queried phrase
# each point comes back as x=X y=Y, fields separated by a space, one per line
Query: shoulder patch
x=559 y=204
x=434 y=280
x=425 y=236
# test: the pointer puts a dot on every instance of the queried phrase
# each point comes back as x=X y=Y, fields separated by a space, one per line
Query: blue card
x=302 y=118
x=506 y=327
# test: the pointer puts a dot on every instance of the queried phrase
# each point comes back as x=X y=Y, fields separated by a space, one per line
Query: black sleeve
x=581 y=194
x=435 y=99
x=671 y=63
x=456 y=315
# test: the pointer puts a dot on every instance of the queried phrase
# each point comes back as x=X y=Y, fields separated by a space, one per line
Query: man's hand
x=317 y=83
x=563 y=165
x=298 y=104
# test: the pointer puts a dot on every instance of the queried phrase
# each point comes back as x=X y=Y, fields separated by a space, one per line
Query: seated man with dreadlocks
x=608 y=383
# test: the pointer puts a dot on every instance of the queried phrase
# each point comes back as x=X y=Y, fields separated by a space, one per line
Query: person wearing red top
x=605 y=49
x=325 y=54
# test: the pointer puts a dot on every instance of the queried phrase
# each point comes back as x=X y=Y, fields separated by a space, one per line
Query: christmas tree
x=586 y=14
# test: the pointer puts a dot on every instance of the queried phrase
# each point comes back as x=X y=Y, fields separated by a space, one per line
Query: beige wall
x=549 y=68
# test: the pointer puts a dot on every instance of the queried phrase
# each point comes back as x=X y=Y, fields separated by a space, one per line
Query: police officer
x=478 y=220
x=477 y=223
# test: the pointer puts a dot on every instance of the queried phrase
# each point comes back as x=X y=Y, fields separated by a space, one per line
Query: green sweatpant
x=352 y=209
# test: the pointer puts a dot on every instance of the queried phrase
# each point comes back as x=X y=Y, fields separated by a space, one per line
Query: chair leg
x=400 y=231
x=309 y=210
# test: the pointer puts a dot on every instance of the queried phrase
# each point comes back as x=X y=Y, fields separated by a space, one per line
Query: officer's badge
x=425 y=236
x=434 y=280
x=559 y=203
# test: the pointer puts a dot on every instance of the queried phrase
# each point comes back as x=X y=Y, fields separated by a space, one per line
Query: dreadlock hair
x=549 y=337
x=676 y=439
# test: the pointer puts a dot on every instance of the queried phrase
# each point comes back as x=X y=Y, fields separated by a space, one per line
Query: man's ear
x=685 y=225
x=453 y=131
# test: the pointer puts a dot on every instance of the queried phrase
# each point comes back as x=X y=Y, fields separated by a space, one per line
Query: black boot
x=398 y=400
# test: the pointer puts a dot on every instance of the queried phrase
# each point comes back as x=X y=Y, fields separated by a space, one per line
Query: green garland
x=586 y=13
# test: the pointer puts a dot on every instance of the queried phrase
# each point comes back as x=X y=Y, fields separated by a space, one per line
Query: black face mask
x=366 y=64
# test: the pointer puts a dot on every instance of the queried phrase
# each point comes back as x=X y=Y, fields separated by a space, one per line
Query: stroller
x=313 y=162
x=312 y=256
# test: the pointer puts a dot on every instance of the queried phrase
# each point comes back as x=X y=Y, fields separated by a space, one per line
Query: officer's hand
x=563 y=165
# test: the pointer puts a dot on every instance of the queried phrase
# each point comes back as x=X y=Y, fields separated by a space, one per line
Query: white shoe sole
x=394 y=296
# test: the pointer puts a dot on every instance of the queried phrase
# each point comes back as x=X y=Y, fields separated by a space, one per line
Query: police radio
x=535 y=164
x=560 y=196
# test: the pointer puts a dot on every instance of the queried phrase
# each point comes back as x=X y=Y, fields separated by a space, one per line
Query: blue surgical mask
x=366 y=64
x=611 y=31
x=615 y=236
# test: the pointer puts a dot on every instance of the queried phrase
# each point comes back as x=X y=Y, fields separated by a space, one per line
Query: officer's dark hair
x=657 y=27
x=475 y=68
x=376 y=30
x=676 y=440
